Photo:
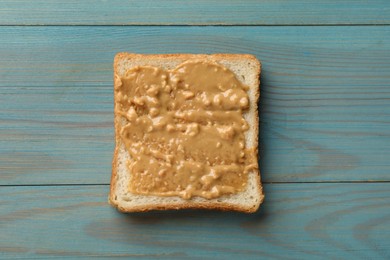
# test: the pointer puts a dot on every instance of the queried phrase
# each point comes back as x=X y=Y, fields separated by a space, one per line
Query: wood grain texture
x=305 y=221
x=325 y=98
x=306 y=56
x=203 y=12
x=324 y=112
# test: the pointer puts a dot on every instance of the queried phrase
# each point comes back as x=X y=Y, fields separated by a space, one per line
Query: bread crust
x=186 y=204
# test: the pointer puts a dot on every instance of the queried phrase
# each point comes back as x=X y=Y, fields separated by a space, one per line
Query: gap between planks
x=193 y=25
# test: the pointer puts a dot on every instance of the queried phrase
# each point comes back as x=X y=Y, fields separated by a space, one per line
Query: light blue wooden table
x=324 y=130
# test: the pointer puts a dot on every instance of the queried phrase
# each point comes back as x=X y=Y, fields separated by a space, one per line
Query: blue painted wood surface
x=324 y=130
x=325 y=98
x=297 y=221
x=201 y=12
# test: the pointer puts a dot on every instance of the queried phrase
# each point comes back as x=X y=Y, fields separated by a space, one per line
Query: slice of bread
x=247 y=70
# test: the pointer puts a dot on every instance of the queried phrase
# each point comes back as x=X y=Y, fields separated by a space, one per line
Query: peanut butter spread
x=184 y=130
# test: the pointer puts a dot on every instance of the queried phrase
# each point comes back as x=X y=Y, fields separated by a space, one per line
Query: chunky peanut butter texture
x=184 y=130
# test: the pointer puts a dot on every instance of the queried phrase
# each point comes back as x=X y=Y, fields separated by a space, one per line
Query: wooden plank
x=325 y=110
x=56 y=135
x=295 y=56
x=297 y=221
x=203 y=12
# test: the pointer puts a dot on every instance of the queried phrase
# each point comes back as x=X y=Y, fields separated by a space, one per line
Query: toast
x=247 y=70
